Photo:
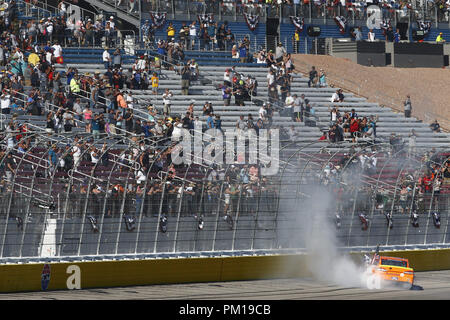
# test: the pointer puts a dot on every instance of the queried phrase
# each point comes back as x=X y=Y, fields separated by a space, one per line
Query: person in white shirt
x=289 y=100
x=49 y=56
x=141 y=63
x=49 y=28
x=111 y=22
x=167 y=102
x=227 y=77
x=270 y=78
x=57 y=50
x=95 y=156
x=335 y=97
x=371 y=36
x=129 y=99
x=106 y=57
x=177 y=130
x=192 y=34
x=76 y=153
x=297 y=109
x=140 y=176
x=262 y=112
x=5 y=102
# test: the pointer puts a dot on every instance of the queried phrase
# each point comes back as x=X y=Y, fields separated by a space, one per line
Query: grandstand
x=105 y=185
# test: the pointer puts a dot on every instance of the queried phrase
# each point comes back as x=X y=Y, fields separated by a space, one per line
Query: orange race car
x=383 y=271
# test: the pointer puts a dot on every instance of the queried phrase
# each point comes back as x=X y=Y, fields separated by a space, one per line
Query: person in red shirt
x=323 y=137
x=354 y=128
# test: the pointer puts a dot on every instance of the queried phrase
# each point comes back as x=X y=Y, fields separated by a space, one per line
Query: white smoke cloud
x=325 y=261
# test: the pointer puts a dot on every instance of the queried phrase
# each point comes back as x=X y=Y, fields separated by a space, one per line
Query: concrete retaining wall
x=29 y=277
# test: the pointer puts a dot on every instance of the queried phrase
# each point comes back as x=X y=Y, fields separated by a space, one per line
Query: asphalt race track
x=436 y=286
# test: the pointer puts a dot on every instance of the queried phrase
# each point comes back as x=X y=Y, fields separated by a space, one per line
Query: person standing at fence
x=9 y=167
x=296 y=39
x=170 y=32
x=192 y=35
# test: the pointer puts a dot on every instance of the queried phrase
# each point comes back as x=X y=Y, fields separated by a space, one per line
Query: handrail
x=113 y=3
x=51 y=10
x=48 y=105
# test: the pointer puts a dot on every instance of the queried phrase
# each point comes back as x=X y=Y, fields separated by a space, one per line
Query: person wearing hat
x=111 y=22
x=440 y=38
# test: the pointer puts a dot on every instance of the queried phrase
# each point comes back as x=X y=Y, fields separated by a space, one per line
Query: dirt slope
x=429 y=88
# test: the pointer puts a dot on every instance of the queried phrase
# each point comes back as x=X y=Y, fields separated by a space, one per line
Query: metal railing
x=184 y=211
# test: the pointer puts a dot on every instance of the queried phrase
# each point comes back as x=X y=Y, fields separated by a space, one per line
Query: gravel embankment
x=428 y=88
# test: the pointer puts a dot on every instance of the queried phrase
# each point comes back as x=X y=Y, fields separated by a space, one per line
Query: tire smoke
x=325 y=261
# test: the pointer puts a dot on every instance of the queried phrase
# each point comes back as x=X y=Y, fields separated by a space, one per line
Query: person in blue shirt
x=397 y=36
x=218 y=123
x=161 y=50
x=70 y=73
x=146 y=129
x=210 y=121
x=211 y=33
x=243 y=52
x=53 y=157
x=95 y=127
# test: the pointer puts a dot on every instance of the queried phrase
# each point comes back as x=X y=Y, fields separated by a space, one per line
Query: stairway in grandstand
x=119 y=9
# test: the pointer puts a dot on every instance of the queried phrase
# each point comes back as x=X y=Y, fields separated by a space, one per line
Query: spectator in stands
x=397 y=36
x=117 y=59
x=335 y=96
x=313 y=77
x=106 y=57
x=371 y=36
x=234 y=52
x=324 y=136
x=185 y=80
x=226 y=94
x=167 y=96
x=296 y=40
x=193 y=70
x=322 y=79
x=435 y=126
x=210 y=121
x=5 y=101
x=9 y=167
x=170 y=32
x=357 y=34
x=341 y=95
x=243 y=51
x=208 y=108
x=297 y=107
x=407 y=106
x=192 y=35
x=440 y=38
x=412 y=142
x=280 y=51
x=155 y=83
x=389 y=35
